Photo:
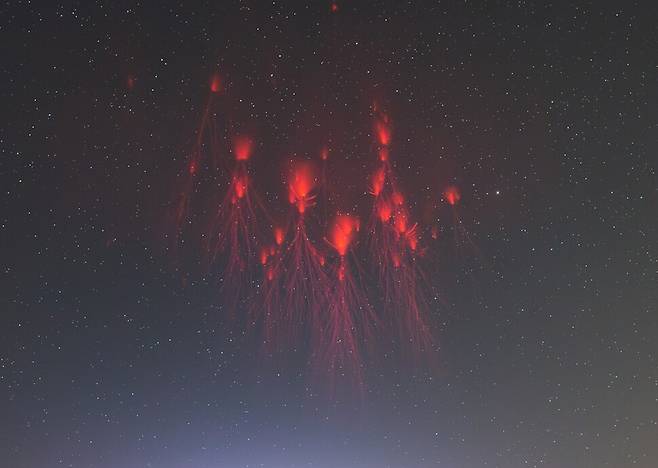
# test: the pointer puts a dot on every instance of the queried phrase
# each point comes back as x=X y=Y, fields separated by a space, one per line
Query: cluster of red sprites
x=313 y=293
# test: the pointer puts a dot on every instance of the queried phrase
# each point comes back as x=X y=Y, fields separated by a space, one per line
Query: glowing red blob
x=334 y=7
x=343 y=231
x=384 y=211
x=383 y=154
x=193 y=167
x=452 y=195
x=398 y=198
x=242 y=148
x=324 y=154
x=278 y=235
x=383 y=131
x=302 y=181
x=413 y=241
x=412 y=238
x=378 y=179
x=264 y=254
x=341 y=272
x=300 y=185
x=401 y=222
x=240 y=186
x=130 y=82
x=215 y=83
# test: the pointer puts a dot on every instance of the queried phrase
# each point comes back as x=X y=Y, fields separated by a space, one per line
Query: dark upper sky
x=114 y=354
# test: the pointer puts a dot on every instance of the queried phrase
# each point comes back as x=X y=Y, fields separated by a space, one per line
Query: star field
x=116 y=353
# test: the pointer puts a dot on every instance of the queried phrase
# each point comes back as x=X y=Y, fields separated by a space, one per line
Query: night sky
x=118 y=350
